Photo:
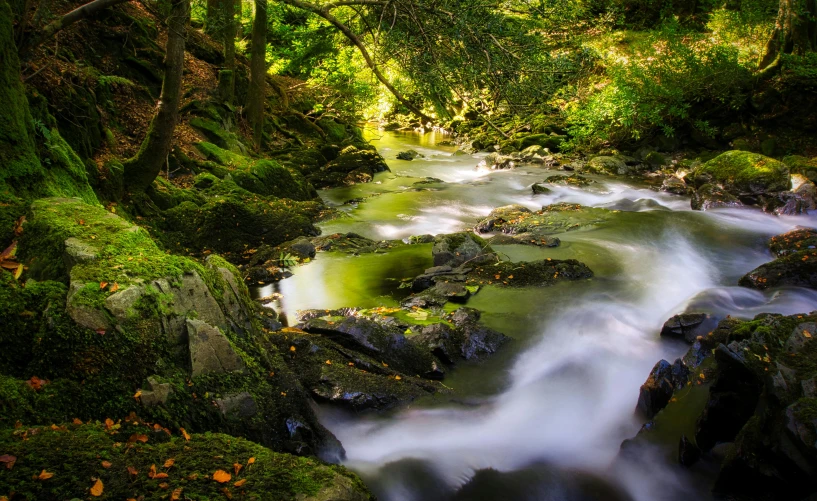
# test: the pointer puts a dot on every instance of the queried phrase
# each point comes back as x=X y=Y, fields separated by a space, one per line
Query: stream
x=549 y=412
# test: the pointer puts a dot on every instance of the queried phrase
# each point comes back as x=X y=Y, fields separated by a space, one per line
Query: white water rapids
x=568 y=396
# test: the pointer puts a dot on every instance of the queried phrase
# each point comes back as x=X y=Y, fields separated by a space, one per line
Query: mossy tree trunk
x=258 y=73
x=795 y=31
x=17 y=154
x=141 y=170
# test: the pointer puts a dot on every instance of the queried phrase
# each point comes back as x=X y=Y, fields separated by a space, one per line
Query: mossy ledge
x=80 y=455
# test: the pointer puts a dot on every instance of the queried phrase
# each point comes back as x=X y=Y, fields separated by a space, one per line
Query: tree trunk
x=229 y=46
x=256 y=97
x=795 y=31
x=141 y=170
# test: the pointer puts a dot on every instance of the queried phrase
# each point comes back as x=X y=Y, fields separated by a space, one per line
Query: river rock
x=458 y=248
x=241 y=404
x=710 y=196
x=157 y=394
x=657 y=391
x=496 y=161
x=676 y=185
x=744 y=173
x=550 y=220
x=408 y=155
x=688 y=326
x=798 y=269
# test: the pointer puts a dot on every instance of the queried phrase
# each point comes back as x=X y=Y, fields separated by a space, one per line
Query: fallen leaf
x=108 y=423
x=328 y=362
x=176 y=494
x=161 y=475
x=164 y=485
x=9 y=252
x=169 y=463
x=44 y=475
x=115 y=287
x=77 y=421
x=138 y=437
x=106 y=464
x=185 y=434
x=240 y=482
x=152 y=472
x=250 y=461
x=97 y=489
x=237 y=467
x=397 y=378
x=133 y=471
x=221 y=476
x=226 y=492
x=137 y=394
x=19 y=272
x=102 y=285
x=292 y=348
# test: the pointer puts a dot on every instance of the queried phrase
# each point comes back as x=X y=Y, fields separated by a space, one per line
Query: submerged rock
x=710 y=196
x=538 y=225
x=408 y=155
x=688 y=326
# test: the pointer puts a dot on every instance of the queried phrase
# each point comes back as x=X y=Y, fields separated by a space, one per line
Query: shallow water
x=552 y=409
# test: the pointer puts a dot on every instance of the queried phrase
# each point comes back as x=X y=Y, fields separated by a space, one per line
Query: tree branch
x=83 y=12
x=348 y=33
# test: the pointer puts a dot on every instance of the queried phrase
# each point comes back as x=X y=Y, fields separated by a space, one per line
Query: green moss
x=536 y=273
x=264 y=177
x=216 y=134
x=74 y=454
x=802 y=165
x=746 y=172
x=124 y=252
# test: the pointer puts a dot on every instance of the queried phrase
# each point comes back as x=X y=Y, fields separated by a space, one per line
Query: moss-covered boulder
x=540 y=273
x=552 y=142
x=796 y=263
x=218 y=135
x=458 y=248
x=744 y=173
x=228 y=219
x=119 y=318
x=352 y=166
x=537 y=227
x=264 y=177
x=614 y=165
x=346 y=377
x=711 y=196
x=131 y=460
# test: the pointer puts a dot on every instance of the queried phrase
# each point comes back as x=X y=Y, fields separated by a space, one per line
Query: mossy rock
x=541 y=273
x=352 y=166
x=802 y=165
x=744 y=173
x=458 y=248
x=233 y=220
x=347 y=378
x=124 y=325
x=218 y=135
x=83 y=455
x=551 y=220
x=551 y=142
x=264 y=177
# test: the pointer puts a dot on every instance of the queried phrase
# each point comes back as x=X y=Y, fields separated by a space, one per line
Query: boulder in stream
x=796 y=264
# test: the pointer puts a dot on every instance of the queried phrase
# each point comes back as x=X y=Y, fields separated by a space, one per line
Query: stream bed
x=543 y=419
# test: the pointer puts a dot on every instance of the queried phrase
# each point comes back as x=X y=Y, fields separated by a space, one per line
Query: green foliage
x=671 y=80
x=287 y=260
x=799 y=71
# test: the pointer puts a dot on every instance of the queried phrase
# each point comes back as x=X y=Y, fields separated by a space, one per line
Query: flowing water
x=548 y=414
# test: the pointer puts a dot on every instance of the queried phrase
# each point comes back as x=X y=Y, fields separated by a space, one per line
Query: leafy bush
x=669 y=81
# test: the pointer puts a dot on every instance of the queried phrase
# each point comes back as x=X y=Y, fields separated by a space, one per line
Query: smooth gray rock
x=241 y=404
x=210 y=350
x=157 y=394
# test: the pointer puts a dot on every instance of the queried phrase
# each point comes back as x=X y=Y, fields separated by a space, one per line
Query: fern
x=42 y=129
x=287 y=260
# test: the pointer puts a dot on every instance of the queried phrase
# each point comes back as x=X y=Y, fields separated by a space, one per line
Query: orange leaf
x=138 y=437
x=108 y=423
x=250 y=461
x=221 y=476
x=240 y=482
x=102 y=285
x=106 y=464
x=9 y=252
x=152 y=472
x=161 y=475
x=164 y=485
x=77 y=421
x=133 y=471
x=237 y=467
x=137 y=394
x=169 y=462
x=176 y=495
x=115 y=287
x=185 y=434
x=45 y=475
x=97 y=489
